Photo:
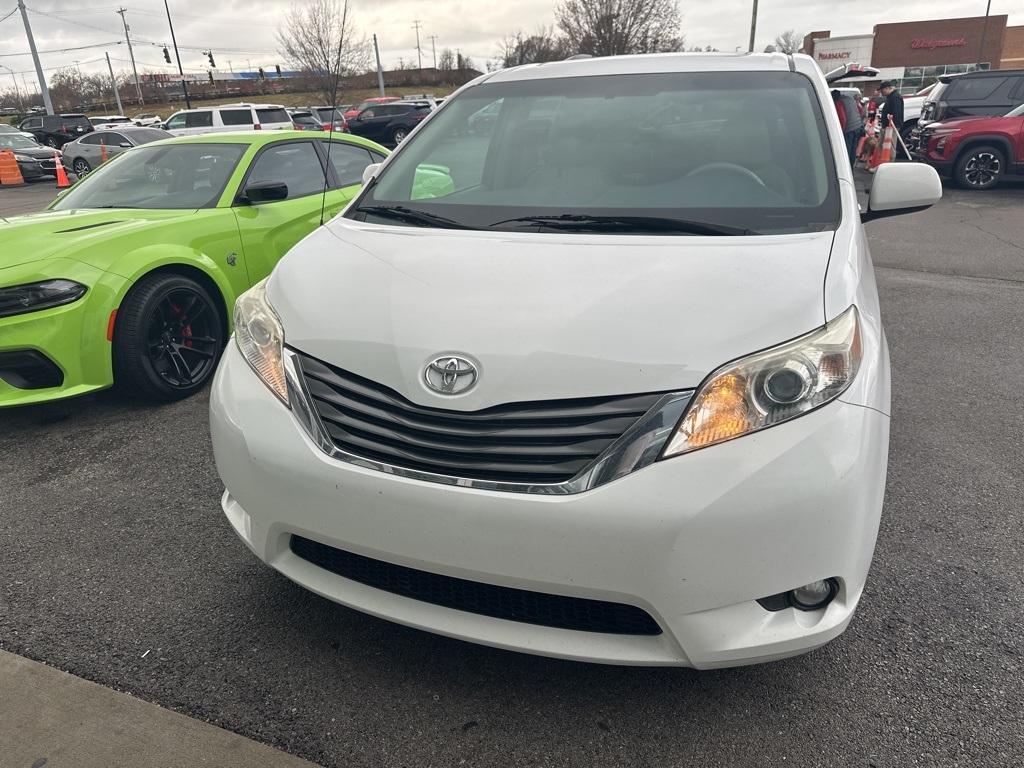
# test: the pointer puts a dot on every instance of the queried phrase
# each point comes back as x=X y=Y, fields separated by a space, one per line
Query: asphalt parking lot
x=119 y=568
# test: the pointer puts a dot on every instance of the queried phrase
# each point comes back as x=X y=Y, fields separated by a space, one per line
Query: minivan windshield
x=158 y=176
x=668 y=153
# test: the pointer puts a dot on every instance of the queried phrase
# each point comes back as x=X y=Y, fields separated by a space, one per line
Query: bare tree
x=789 y=42
x=320 y=38
x=542 y=45
x=612 y=27
x=446 y=60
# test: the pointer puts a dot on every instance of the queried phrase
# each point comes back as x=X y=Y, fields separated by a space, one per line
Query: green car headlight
x=260 y=338
x=32 y=297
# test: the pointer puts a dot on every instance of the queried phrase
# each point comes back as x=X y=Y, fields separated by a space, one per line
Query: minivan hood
x=543 y=316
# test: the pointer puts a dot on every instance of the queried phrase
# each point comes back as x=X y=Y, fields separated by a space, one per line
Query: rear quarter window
x=272 y=115
x=236 y=116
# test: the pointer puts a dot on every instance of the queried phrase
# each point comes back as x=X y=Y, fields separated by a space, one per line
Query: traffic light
x=209 y=55
x=210 y=73
x=263 y=75
x=167 y=55
x=278 y=68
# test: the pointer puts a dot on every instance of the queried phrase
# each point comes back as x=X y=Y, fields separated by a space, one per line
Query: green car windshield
x=732 y=152
x=172 y=176
x=14 y=141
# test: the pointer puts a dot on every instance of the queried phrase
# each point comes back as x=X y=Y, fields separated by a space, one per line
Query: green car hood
x=79 y=234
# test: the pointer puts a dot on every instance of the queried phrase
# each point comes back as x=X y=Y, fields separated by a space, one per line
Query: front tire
x=398 y=135
x=167 y=339
x=81 y=167
x=980 y=168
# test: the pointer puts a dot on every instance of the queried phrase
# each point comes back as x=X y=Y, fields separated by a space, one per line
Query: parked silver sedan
x=86 y=152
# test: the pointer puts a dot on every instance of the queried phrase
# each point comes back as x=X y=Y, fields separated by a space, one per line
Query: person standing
x=891 y=107
x=853 y=127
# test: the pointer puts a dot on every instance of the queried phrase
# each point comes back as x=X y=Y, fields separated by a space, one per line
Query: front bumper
x=72 y=336
x=693 y=540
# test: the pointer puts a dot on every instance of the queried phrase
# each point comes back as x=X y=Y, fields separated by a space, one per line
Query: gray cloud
x=247 y=27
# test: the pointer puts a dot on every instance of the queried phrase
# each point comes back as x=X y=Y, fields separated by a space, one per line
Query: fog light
x=817 y=594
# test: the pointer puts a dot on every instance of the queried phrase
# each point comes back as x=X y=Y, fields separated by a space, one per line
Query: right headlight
x=772 y=386
x=260 y=338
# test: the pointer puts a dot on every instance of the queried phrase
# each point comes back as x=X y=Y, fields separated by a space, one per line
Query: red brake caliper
x=186 y=330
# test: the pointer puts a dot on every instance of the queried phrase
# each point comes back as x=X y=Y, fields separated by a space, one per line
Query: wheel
x=168 y=337
x=51 y=142
x=398 y=135
x=979 y=168
x=81 y=167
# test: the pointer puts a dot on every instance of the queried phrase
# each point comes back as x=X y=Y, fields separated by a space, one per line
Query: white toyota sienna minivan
x=593 y=367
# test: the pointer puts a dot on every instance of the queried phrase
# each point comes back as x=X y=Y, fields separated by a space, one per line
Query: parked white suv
x=228 y=117
x=608 y=390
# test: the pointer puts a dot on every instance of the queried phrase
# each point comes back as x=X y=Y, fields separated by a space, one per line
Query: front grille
x=540 y=442
x=475 y=597
x=29 y=369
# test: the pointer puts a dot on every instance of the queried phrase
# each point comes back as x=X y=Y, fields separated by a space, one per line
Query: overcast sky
x=242 y=32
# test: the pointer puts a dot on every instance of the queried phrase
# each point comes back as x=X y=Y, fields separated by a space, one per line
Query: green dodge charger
x=130 y=275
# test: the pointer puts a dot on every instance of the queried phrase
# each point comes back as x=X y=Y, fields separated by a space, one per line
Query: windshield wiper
x=420 y=218
x=579 y=222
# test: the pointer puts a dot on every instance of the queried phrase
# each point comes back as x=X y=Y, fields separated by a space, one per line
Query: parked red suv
x=977 y=152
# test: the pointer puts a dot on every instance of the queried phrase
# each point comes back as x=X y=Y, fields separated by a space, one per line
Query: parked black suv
x=56 y=130
x=389 y=124
x=992 y=92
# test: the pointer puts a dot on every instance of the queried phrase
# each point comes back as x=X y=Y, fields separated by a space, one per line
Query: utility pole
x=184 y=87
x=433 y=48
x=753 y=27
x=419 y=54
x=984 y=29
x=113 y=84
x=380 y=70
x=131 y=55
x=35 y=59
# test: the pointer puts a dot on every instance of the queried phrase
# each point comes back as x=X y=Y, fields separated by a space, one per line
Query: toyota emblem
x=450 y=375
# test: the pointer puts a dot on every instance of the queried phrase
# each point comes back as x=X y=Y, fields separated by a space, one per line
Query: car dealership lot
x=115 y=545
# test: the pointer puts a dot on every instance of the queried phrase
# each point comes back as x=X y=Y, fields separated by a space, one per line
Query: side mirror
x=902 y=188
x=370 y=171
x=126 y=144
x=265 y=192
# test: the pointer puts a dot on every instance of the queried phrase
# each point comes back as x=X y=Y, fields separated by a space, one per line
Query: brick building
x=912 y=54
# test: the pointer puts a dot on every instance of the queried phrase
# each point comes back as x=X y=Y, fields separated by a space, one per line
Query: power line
x=67 y=50
x=5 y=18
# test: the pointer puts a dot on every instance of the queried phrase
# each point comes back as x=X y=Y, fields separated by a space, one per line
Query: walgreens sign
x=931 y=45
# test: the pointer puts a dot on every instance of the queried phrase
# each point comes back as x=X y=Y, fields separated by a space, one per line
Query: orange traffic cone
x=10 y=173
x=62 y=177
x=103 y=151
x=886 y=148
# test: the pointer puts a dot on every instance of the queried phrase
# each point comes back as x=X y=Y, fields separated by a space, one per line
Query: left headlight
x=24 y=158
x=772 y=386
x=260 y=338
x=32 y=297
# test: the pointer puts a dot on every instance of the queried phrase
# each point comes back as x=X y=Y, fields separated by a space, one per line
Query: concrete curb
x=53 y=719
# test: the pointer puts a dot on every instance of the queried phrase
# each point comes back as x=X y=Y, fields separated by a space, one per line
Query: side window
x=366 y=114
x=177 y=121
x=296 y=164
x=202 y=119
x=973 y=89
x=348 y=162
x=236 y=117
x=34 y=122
x=116 y=139
x=92 y=138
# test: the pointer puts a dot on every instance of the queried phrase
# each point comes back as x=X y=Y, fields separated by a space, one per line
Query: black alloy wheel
x=168 y=338
x=980 y=168
x=81 y=167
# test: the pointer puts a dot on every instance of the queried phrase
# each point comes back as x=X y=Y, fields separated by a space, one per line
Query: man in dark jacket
x=893 y=105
